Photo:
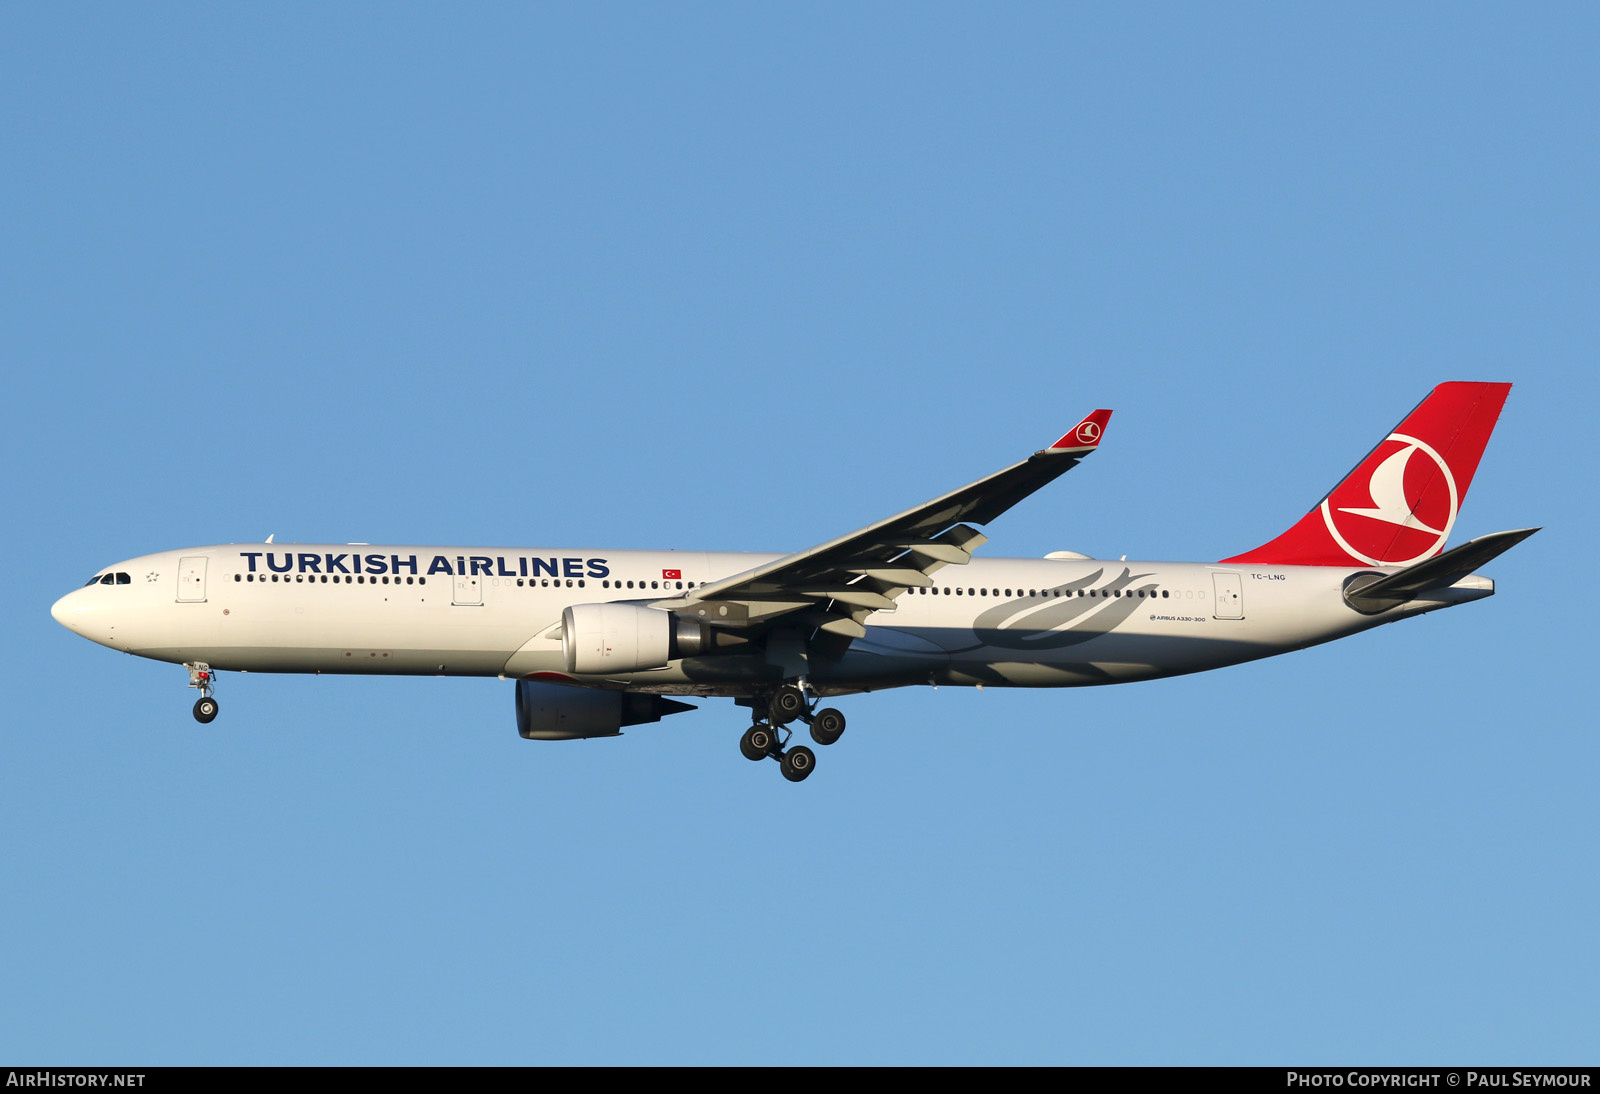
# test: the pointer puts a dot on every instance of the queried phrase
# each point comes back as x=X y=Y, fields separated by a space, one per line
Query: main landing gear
x=767 y=739
x=201 y=676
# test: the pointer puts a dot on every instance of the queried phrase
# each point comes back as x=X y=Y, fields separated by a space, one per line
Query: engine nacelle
x=558 y=712
x=604 y=638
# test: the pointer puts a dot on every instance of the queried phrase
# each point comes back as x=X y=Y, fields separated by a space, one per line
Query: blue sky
x=746 y=277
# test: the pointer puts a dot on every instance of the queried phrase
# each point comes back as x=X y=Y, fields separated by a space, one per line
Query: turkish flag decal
x=672 y=575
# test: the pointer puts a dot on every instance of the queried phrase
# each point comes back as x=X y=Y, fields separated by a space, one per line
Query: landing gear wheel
x=788 y=703
x=758 y=742
x=798 y=762
x=827 y=726
x=205 y=709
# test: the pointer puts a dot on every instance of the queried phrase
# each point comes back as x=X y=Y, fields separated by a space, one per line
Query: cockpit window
x=124 y=579
x=109 y=579
x=95 y=580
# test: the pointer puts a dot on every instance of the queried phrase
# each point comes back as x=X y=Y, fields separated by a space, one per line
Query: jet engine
x=605 y=638
x=559 y=712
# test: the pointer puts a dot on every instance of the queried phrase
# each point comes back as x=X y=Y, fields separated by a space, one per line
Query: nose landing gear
x=201 y=676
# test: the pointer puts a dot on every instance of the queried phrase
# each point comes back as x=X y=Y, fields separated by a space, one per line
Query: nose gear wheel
x=201 y=677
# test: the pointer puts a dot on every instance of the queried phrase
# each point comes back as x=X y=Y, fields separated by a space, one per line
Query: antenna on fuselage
x=269 y=538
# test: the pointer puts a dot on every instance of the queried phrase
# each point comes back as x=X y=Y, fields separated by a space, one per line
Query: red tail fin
x=1398 y=505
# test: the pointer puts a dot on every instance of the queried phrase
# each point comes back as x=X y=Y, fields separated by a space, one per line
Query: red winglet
x=1085 y=436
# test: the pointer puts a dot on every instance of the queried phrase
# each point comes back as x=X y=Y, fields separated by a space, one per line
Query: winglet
x=1085 y=436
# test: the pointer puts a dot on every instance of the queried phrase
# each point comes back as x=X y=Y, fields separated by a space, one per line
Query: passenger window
x=238 y=577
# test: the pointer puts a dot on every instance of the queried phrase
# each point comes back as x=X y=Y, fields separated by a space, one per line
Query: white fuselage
x=358 y=608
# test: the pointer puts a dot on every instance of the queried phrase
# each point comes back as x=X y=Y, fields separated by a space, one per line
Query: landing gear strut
x=201 y=676
x=769 y=739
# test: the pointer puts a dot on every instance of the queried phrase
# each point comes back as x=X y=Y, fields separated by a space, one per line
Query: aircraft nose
x=85 y=614
x=72 y=611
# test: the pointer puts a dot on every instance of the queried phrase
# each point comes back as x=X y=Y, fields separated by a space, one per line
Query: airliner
x=598 y=640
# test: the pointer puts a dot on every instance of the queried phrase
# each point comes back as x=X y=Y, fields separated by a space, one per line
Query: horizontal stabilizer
x=1382 y=593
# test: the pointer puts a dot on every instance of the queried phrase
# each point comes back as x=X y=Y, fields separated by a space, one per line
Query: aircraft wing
x=836 y=585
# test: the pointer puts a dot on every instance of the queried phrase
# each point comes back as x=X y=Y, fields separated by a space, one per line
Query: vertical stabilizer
x=1397 y=507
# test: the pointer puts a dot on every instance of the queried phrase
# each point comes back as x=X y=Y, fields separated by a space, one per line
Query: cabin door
x=1230 y=596
x=192 y=579
x=468 y=589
